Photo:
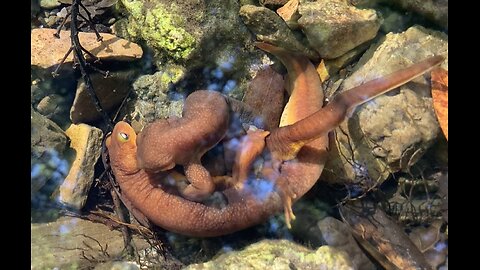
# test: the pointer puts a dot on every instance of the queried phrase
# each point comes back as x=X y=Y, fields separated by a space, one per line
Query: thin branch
x=55 y=72
x=81 y=62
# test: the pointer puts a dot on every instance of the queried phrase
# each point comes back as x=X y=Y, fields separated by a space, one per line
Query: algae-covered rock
x=278 y=254
x=151 y=100
x=161 y=26
x=193 y=32
x=391 y=132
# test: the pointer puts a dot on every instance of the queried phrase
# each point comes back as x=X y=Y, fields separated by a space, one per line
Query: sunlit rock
x=86 y=141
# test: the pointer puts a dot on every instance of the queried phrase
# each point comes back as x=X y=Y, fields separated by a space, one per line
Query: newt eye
x=122 y=137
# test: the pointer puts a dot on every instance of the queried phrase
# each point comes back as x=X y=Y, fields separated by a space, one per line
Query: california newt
x=169 y=142
x=297 y=159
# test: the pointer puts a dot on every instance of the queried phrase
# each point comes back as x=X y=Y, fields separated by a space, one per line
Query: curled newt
x=169 y=142
x=298 y=149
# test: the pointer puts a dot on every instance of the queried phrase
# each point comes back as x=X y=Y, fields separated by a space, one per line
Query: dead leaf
x=265 y=96
x=323 y=71
x=440 y=97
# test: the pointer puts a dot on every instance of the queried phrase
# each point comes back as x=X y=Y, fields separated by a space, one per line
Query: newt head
x=122 y=148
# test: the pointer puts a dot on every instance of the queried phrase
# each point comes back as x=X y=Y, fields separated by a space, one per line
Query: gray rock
x=334 y=27
x=117 y=266
x=45 y=135
x=110 y=91
x=338 y=235
x=273 y=2
x=49 y=4
x=314 y=226
x=435 y=10
x=87 y=143
x=59 y=244
x=391 y=132
x=55 y=108
x=278 y=254
x=271 y=28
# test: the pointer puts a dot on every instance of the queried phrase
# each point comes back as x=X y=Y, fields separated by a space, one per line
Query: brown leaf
x=440 y=97
x=265 y=96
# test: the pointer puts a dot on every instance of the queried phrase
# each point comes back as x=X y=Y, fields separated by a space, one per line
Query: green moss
x=160 y=27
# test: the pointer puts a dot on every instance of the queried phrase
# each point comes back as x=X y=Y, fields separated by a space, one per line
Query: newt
x=298 y=149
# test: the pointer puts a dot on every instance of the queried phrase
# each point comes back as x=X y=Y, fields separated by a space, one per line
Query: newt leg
x=251 y=145
x=201 y=183
x=272 y=171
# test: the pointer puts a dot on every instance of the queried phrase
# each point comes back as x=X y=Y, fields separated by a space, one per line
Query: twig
x=81 y=62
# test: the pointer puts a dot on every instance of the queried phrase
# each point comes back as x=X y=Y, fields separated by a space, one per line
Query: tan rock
x=47 y=50
x=87 y=142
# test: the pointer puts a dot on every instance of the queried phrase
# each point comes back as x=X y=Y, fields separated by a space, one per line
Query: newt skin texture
x=284 y=178
x=169 y=142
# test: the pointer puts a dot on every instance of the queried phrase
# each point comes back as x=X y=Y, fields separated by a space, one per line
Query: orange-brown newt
x=298 y=149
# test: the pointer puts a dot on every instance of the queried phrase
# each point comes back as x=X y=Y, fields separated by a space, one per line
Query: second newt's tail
x=293 y=137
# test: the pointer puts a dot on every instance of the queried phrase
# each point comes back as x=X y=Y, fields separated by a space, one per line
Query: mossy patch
x=160 y=27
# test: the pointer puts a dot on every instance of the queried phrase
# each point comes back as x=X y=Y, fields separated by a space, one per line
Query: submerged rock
x=334 y=27
x=150 y=97
x=45 y=135
x=55 y=108
x=49 y=4
x=435 y=10
x=271 y=28
x=60 y=244
x=278 y=254
x=110 y=91
x=87 y=143
x=391 y=132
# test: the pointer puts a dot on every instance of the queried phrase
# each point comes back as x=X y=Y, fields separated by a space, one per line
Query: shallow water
x=390 y=151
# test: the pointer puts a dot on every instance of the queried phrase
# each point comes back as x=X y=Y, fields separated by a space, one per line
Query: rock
x=48 y=164
x=271 y=28
x=110 y=91
x=435 y=10
x=391 y=132
x=334 y=65
x=314 y=226
x=337 y=234
x=45 y=135
x=151 y=97
x=55 y=108
x=48 y=51
x=117 y=266
x=87 y=143
x=278 y=254
x=334 y=27
x=49 y=4
x=194 y=33
x=59 y=244
x=273 y=2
